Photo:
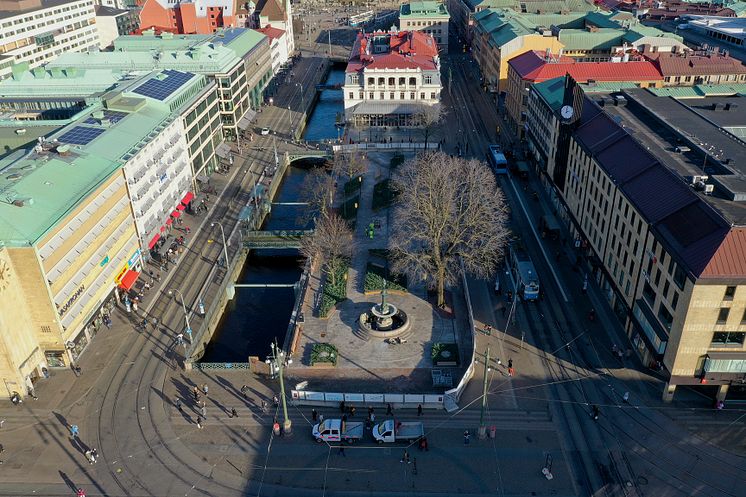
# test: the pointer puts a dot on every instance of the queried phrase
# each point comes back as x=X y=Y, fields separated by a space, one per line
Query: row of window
x=47 y=13
x=428 y=80
x=706 y=78
x=423 y=23
x=392 y=95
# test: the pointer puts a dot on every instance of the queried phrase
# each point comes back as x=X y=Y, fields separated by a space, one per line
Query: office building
x=723 y=31
x=428 y=16
x=34 y=32
x=701 y=67
x=277 y=14
x=113 y=23
x=188 y=17
x=652 y=190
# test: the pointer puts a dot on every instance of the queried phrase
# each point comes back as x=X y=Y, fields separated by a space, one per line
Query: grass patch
x=383 y=194
x=334 y=294
x=396 y=161
x=348 y=210
x=353 y=186
x=324 y=353
x=375 y=275
x=445 y=354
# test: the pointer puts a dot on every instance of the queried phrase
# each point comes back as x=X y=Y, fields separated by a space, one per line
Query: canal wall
x=322 y=76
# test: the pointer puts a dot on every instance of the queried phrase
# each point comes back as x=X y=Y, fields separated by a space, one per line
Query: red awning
x=187 y=198
x=176 y=214
x=181 y=207
x=163 y=228
x=154 y=240
x=169 y=221
x=129 y=279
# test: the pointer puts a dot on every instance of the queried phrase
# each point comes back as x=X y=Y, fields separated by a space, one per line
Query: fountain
x=384 y=320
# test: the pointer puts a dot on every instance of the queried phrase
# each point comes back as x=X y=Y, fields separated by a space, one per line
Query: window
x=391 y=81
x=352 y=95
x=648 y=294
x=723 y=315
x=371 y=96
x=401 y=95
x=728 y=338
x=391 y=95
x=428 y=80
x=675 y=300
x=679 y=277
x=371 y=81
x=382 y=96
x=381 y=81
x=730 y=292
x=402 y=81
x=411 y=95
x=665 y=317
x=361 y=95
x=413 y=81
x=657 y=277
x=422 y=95
x=666 y=287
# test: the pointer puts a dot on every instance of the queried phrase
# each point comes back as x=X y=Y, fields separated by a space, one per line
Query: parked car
x=264 y=131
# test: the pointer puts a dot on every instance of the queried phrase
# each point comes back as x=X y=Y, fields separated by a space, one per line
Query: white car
x=264 y=131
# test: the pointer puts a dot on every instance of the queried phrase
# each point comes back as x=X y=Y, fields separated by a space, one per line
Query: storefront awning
x=383 y=108
x=181 y=207
x=187 y=198
x=163 y=228
x=244 y=122
x=223 y=150
x=176 y=214
x=128 y=280
x=169 y=221
x=154 y=240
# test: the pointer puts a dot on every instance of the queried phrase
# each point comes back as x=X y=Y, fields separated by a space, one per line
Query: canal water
x=329 y=105
x=258 y=316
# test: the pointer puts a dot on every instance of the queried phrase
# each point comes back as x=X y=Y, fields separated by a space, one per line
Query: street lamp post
x=277 y=364
x=188 y=330
x=290 y=123
x=487 y=369
x=225 y=245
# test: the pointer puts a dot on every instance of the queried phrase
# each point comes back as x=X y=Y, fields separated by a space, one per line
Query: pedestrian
x=419 y=409
x=321 y=418
x=264 y=405
x=74 y=431
x=372 y=418
x=625 y=397
x=344 y=418
x=352 y=411
x=134 y=305
x=80 y=493
x=199 y=422
x=195 y=392
x=423 y=444
x=511 y=371
x=405 y=457
x=203 y=410
x=314 y=415
x=178 y=404
x=205 y=389
x=389 y=410
x=75 y=370
x=94 y=455
x=275 y=400
x=244 y=390
x=32 y=393
x=466 y=437
x=342 y=406
x=233 y=414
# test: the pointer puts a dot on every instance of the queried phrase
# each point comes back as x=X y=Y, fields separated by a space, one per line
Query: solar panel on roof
x=229 y=35
x=112 y=115
x=161 y=89
x=81 y=135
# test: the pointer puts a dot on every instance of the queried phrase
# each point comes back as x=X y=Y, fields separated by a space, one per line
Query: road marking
x=538 y=239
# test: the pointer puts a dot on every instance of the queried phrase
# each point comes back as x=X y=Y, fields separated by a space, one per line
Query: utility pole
x=486 y=364
x=329 y=32
x=277 y=364
x=450 y=79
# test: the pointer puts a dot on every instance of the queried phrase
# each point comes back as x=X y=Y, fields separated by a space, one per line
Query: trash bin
x=493 y=431
x=276 y=429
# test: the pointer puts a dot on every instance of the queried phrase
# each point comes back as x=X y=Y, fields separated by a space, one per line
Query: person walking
x=199 y=422
x=419 y=409
x=203 y=409
x=389 y=410
x=244 y=391
x=341 y=451
x=342 y=407
x=321 y=418
x=466 y=437
x=195 y=392
x=74 y=431
x=205 y=389
x=177 y=403
x=625 y=397
x=352 y=411
x=511 y=371
x=405 y=457
x=314 y=415
x=233 y=414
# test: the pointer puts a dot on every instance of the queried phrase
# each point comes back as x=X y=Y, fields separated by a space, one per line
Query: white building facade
x=39 y=32
x=391 y=78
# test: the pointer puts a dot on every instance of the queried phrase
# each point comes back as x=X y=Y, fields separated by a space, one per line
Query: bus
x=360 y=19
x=524 y=275
x=497 y=159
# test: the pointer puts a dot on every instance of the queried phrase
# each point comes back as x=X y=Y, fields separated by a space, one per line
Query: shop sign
x=104 y=261
x=66 y=306
x=133 y=260
x=120 y=275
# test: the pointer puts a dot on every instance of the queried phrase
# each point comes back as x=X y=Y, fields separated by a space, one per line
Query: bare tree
x=348 y=165
x=449 y=209
x=429 y=116
x=318 y=192
x=331 y=243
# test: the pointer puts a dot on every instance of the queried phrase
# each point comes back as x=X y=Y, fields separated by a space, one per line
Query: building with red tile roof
x=702 y=67
x=277 y=14
x=278 y=46
x=391 y=77
x=187 y=17
x=534 y=67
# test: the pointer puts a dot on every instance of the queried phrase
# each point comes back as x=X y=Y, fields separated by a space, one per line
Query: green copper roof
x=69 y=82
x=47 y=185
x=552 y=91
x=423 y=8
x=699 y=91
